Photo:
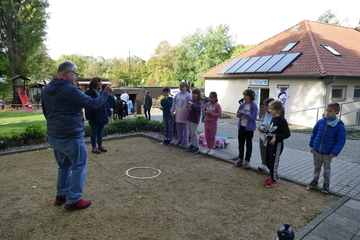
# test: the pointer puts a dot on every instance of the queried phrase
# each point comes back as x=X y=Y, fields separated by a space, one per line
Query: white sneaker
x=211 y=152
x=206 y=150
x=263 y=167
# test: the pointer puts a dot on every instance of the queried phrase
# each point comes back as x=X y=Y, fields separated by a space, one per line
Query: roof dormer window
x=295 y=28
x=290 y=46
x=330 y=49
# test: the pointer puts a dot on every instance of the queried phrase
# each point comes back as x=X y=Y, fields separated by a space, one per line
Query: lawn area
x=20 y=116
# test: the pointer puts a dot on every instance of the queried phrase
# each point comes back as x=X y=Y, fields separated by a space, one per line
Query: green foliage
x=140 y=123
x=329 y=17
x=201 y=51
x=240 y=48
x=2 y=143
x=160 y=65
x=14 y=135
x=79 y=60
x=34 y=131
x=23 y=25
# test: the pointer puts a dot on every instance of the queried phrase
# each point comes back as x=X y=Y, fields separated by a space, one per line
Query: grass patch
x=21 y=116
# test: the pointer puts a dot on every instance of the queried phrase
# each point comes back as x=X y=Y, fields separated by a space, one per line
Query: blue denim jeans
x=168 y=125
x=71 y=157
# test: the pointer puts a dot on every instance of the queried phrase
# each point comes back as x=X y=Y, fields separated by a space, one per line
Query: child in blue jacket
x=327 y=139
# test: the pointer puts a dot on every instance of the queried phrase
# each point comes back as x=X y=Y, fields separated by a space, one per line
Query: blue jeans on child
x=168 y=126
x=71 y=157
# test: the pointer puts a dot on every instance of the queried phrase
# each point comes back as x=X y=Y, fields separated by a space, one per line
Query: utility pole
x=129 y=68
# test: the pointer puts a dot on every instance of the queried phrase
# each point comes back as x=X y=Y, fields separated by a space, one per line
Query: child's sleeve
x=340 y=140
x=240 y=108
x=218 y=112
x=285 y=131
x=173 y=107
x=313 y=134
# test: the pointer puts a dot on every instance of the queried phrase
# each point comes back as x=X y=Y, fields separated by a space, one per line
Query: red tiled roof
x=315 y=60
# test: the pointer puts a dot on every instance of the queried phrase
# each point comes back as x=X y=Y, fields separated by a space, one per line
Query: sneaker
x=239 y=162
x=263 y=167
x=165 y=142
x=183 y=145
x=313 y=184
x=268 y=179
x=206 y=150
x=195 y=150
x=246 y=164
x=95 y=150
x=325 y=188
x=211 y=152
x=190 y=148
x=81 y=204
x=270 y=183
x=169 y=142
x=102 y=149
x=59 y=200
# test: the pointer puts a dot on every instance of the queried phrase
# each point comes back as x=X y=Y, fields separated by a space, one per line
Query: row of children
x=187 y=110
x=327 y=139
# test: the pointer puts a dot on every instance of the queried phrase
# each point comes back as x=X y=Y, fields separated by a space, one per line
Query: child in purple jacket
x=247 y=114
x=193 y=119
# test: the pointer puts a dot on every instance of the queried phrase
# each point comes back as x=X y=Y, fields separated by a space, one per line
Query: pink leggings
x=210 y=132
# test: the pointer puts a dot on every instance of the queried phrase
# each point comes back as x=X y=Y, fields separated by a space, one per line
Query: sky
x=119 y=28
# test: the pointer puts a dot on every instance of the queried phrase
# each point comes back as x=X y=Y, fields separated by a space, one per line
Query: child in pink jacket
x=213 y=112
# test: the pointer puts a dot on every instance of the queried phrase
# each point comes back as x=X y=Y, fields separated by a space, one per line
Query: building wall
x=306 y=99
x=350 y=106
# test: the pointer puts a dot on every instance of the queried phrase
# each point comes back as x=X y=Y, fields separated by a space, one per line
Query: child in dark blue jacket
x=327 y=139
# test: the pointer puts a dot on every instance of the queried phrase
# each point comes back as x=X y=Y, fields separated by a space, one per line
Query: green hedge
x=137 y=124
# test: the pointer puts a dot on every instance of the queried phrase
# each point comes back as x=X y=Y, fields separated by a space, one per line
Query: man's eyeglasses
x=74 y=72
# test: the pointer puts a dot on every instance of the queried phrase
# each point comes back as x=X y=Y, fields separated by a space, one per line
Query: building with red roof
x=312 y=63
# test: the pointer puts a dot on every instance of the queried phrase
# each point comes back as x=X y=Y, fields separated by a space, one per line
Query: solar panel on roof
x=258 y=64
x=284 y=62
x=237 y=65
x=270 y=63
x=247 y=65
x=228 y=66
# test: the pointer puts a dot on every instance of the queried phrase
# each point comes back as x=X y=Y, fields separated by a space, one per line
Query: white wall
x=304 y=94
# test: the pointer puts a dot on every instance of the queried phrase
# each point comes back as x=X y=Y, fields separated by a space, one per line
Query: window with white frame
x=338 y=93
x=356 y=93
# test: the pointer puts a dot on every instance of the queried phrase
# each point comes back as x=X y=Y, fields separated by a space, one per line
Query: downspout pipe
x=327 y=97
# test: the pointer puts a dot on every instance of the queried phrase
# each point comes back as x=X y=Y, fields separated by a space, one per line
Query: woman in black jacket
x=97 y=118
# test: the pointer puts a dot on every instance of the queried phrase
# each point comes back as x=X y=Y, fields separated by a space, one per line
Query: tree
x=240 y=48
x=329 y=17
x=79 y=60
x=201 y=51
x=92 y=68
x=160 y=66
x=22 y=31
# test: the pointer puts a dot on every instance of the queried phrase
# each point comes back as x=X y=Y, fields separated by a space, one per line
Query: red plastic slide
x=25 y=102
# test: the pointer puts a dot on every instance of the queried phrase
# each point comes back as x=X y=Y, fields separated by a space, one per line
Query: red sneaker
x=270 y=183
x=268 y=179
x=81 y=204
x=59 y=200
